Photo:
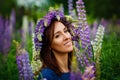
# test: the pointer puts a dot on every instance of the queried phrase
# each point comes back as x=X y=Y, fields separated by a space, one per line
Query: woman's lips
x=68 y=43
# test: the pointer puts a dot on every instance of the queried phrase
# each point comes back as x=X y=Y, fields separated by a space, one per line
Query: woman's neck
x=62 y=60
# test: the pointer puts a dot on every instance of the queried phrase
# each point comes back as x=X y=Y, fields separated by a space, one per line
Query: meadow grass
x=110 y=57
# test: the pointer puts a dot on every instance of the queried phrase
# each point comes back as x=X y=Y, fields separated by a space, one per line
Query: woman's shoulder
x=47 y=73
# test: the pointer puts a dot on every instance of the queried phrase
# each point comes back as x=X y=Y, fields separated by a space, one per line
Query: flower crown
x=43 y=24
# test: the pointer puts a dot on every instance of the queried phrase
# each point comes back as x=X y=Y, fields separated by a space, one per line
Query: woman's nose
x=67 y=36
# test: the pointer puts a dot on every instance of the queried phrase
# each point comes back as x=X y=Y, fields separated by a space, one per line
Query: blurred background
x=18 y=19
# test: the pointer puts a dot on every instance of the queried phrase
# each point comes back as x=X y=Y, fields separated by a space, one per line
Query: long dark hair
x=46 y=55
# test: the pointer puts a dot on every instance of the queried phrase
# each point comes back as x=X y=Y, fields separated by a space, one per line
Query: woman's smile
x=68 y=43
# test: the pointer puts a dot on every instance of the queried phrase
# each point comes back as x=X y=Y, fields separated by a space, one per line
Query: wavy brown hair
x=46 y=55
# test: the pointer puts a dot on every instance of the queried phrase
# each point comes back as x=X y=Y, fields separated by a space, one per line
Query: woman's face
x=62 y=42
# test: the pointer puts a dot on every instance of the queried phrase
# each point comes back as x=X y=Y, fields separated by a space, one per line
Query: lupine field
x=98 y=24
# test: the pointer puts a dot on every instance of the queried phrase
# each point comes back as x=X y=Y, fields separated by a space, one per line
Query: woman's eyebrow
x=59 y=31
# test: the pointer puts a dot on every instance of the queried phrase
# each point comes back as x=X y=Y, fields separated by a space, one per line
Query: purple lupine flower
x=83 y=26
x=84 y=36
x=12 y=22
x=72 y=76
x=7 y=37
x=70 y=7
x=94 y=29
x=75 y=76
x=38 y=31
x=118 y=22
x=104 y=22
x=31 y=27
x=1 y=33
x=23 y=62
x=1 y=25
x=75 y=73
x=51 y=15
x=13 y=18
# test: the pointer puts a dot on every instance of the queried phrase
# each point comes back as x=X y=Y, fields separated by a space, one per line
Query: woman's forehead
x=58 y=26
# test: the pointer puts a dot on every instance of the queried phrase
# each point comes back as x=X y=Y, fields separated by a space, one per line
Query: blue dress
x=51 y=75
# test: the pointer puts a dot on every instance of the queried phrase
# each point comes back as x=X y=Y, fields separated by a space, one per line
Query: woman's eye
x=57 y=36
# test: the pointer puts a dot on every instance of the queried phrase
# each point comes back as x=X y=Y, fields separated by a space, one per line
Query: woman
x=55 y=42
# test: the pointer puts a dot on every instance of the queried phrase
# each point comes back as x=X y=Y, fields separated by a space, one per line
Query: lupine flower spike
x=97 y=45
x=5 y=35
x=85 y=55
x=24 y=30
x=70 y=7
x=23 y=62
x=75 y=74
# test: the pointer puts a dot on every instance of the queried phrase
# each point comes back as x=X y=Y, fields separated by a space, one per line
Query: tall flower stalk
x=13 y=18
x=31 y=27
x=23 y=63
x=94 y=29
x=1 y=33
x=97 y=45
x=5 y=35
x=24 y=30
x=70 y=7
x=75 y=74
x=84 y=54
